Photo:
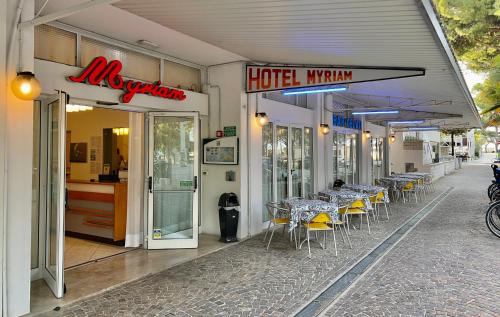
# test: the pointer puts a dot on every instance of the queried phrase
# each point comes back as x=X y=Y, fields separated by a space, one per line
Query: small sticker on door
x=156 y=234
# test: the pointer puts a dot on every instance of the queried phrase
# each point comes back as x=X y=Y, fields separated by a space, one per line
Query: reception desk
x=96 y=210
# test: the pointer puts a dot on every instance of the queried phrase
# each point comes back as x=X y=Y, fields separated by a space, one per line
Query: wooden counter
x=95 y=209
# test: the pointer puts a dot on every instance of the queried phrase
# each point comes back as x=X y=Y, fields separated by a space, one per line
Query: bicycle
x=494 y=188
x=493 y=218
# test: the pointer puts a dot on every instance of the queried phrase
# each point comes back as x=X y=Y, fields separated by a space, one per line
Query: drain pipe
x=249 y=138
x=209 y=85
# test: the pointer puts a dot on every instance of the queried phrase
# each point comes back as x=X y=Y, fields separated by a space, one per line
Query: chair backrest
x=358 y=204
x=273 y=208
x=322 y=218
x=314 y=196
x=408 y=186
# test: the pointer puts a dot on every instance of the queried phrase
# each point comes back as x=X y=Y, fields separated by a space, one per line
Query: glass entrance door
x=53 y=271
x=173 y=180
x=296 y=161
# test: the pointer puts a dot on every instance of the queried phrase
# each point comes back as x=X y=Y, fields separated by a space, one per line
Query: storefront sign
x=100 y=70
x=267 y=78
x=340 y=121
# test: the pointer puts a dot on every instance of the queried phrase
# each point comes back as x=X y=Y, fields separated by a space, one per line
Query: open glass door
x=53 y=271
x=173 y=180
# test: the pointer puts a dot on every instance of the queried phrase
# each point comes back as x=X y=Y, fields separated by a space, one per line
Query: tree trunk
x=452 y=144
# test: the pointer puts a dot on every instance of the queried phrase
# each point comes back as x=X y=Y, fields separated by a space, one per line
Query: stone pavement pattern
x=245 y=280
x=447 y=266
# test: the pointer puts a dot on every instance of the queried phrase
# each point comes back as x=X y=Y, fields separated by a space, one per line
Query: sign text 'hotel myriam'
x=100 y=70
x=268 y=78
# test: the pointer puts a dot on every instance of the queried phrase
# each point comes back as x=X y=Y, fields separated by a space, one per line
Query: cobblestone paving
x=242 y=280
x=447 y=266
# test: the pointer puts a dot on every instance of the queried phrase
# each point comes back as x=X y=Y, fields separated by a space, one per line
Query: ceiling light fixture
x=375 y=112
x=148 y=44
x=424 y=128
x=25 y=86
x=313 y=90
x=405 y=122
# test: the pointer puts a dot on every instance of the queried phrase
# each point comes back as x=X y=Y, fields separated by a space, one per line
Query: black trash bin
x=228 y=217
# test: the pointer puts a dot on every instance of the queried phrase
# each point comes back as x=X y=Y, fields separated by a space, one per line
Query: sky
x=471 y=77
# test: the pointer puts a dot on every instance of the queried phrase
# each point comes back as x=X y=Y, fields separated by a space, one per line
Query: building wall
x=3 y=145
x=18 y=138
x=227 y=90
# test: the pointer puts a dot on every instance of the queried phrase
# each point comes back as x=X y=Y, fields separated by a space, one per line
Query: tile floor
x=97 y=277
x=241 y=280
x=80 y=251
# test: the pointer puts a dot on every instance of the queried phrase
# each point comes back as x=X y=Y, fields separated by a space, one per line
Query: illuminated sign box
x=341 y=121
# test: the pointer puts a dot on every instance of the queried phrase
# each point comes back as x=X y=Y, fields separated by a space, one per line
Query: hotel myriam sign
x=268 y=78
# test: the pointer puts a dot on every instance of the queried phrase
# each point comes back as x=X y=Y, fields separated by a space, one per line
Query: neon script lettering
x=99 y=69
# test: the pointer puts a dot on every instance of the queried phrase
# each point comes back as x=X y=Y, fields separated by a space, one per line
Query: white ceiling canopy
x=386 y=33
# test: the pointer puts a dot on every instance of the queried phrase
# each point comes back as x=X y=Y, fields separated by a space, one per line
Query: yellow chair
x=320 y=222
x=357 y=208
x=278 y=216
x=376 y=201
x=409 y=188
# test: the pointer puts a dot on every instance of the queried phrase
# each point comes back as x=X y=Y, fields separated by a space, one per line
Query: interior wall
x=87 y=124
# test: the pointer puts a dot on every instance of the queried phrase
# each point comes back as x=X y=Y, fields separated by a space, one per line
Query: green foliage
x=456 y=131
x=472 y=28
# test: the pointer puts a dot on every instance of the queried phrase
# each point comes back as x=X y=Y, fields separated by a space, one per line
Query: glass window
x=296 y=167
x=281 y=163
x=181 y=76
x=355 y=158
x=267 y=168
x=341 y=157
x=378 y=168
x=308 y=162
x=135 y=65
x=53 y=44
x=335 y=155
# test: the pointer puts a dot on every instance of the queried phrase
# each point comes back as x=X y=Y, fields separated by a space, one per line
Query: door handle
x=150 y=184
x=195 y=183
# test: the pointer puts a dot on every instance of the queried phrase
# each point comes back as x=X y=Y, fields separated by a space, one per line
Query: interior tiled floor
x=80 y=251
x=99 y=276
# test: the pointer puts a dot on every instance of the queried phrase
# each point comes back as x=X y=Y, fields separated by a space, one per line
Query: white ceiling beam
x=64 y=13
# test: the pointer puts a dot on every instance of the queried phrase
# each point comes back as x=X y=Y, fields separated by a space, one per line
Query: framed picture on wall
x=78 y=153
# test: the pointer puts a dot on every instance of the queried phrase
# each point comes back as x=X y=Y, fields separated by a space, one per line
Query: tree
x=452 y=133
x=472 y=28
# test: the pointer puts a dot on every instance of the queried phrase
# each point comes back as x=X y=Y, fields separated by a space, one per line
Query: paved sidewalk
x=245 y=280
x=447 y=266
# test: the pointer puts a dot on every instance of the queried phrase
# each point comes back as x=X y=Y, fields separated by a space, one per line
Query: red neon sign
x=99 y=69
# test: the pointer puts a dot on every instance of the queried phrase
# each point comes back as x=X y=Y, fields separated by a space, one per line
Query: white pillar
x=18 y=148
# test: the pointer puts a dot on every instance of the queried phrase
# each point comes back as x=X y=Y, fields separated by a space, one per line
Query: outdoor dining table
x=345 y=197
x=395 y=182
x=371 y=190
x=307 y=209
x=411 y=176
